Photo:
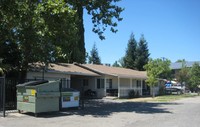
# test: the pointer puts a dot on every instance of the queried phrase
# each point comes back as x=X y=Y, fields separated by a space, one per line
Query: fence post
x=4 y=97
x=1 y=94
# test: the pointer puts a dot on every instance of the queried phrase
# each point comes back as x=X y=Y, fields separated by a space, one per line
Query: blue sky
x=171 y=28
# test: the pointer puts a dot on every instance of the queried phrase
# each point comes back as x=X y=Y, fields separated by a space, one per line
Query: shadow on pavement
x=101 y=108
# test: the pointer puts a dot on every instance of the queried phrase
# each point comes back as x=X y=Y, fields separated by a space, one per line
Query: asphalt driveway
x=115 y=113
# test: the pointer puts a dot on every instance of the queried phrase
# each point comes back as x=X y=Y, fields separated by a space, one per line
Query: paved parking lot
x=115 y=113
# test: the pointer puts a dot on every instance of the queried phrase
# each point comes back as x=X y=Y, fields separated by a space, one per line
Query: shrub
x=137 y=94
x=1 y=72
x=131 y=94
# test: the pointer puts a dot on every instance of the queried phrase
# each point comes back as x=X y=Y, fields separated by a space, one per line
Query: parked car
x=171 y=87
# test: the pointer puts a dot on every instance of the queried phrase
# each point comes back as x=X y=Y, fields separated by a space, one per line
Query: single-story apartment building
x=99 y=78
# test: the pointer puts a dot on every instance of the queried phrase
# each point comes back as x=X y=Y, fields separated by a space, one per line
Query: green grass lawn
x=163 y=98
x=169 y=98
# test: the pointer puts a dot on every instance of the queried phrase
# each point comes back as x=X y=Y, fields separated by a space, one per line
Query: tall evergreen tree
x=104 y=13
x=116 y=64
x=181 y=61
x=94 y=56
x=130 y=56
x=121 y=62
x=142 y=54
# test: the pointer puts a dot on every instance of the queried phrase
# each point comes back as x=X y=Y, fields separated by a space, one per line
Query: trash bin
x=38 y=96
x=69 y=98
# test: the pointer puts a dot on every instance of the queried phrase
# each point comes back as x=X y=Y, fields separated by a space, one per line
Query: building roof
x=63 y=68
x=179 y=65
x=89 y=70
x=115 y=71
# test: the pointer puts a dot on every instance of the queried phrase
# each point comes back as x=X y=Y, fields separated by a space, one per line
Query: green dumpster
x=38 y=96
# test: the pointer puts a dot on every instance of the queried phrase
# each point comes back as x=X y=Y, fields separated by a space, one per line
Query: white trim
x=130 y=83
x=141 y=86
x=105 y=86
x=118 y=83
x=95 y=83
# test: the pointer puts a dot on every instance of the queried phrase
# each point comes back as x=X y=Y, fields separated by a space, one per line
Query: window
x=138 y=83
x=143 y=84
x=65 y=83
x=109 y=83
x=134 y=83
x=100 y=83
x=85 y=82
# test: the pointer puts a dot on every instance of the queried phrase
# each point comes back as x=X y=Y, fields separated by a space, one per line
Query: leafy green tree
x=10 y=55
x=34 y=28
x=61 y=32
x=166 y=71
x=94 y=56
x=156 y=68
x=142 y=53
x=16 y=28
x=130 y=56
x=116 y=64
x=53 y=31
x=183 y=75
x=180 y=61
x=194 y=76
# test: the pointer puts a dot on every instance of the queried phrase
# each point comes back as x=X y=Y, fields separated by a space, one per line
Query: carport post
x=141 y=86
x=118 y=82
x=131 y=83
x=105 y=85
x=82 y=96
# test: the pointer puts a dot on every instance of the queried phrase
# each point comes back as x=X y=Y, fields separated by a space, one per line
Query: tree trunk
x=153 y=91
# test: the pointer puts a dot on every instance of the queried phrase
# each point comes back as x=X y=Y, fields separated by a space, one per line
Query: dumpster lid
x=33 y=83
x=68 y=90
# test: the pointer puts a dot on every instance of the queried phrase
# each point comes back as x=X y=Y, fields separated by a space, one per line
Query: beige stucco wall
x=115 y=83
x=91 y=84
x=125 y=83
